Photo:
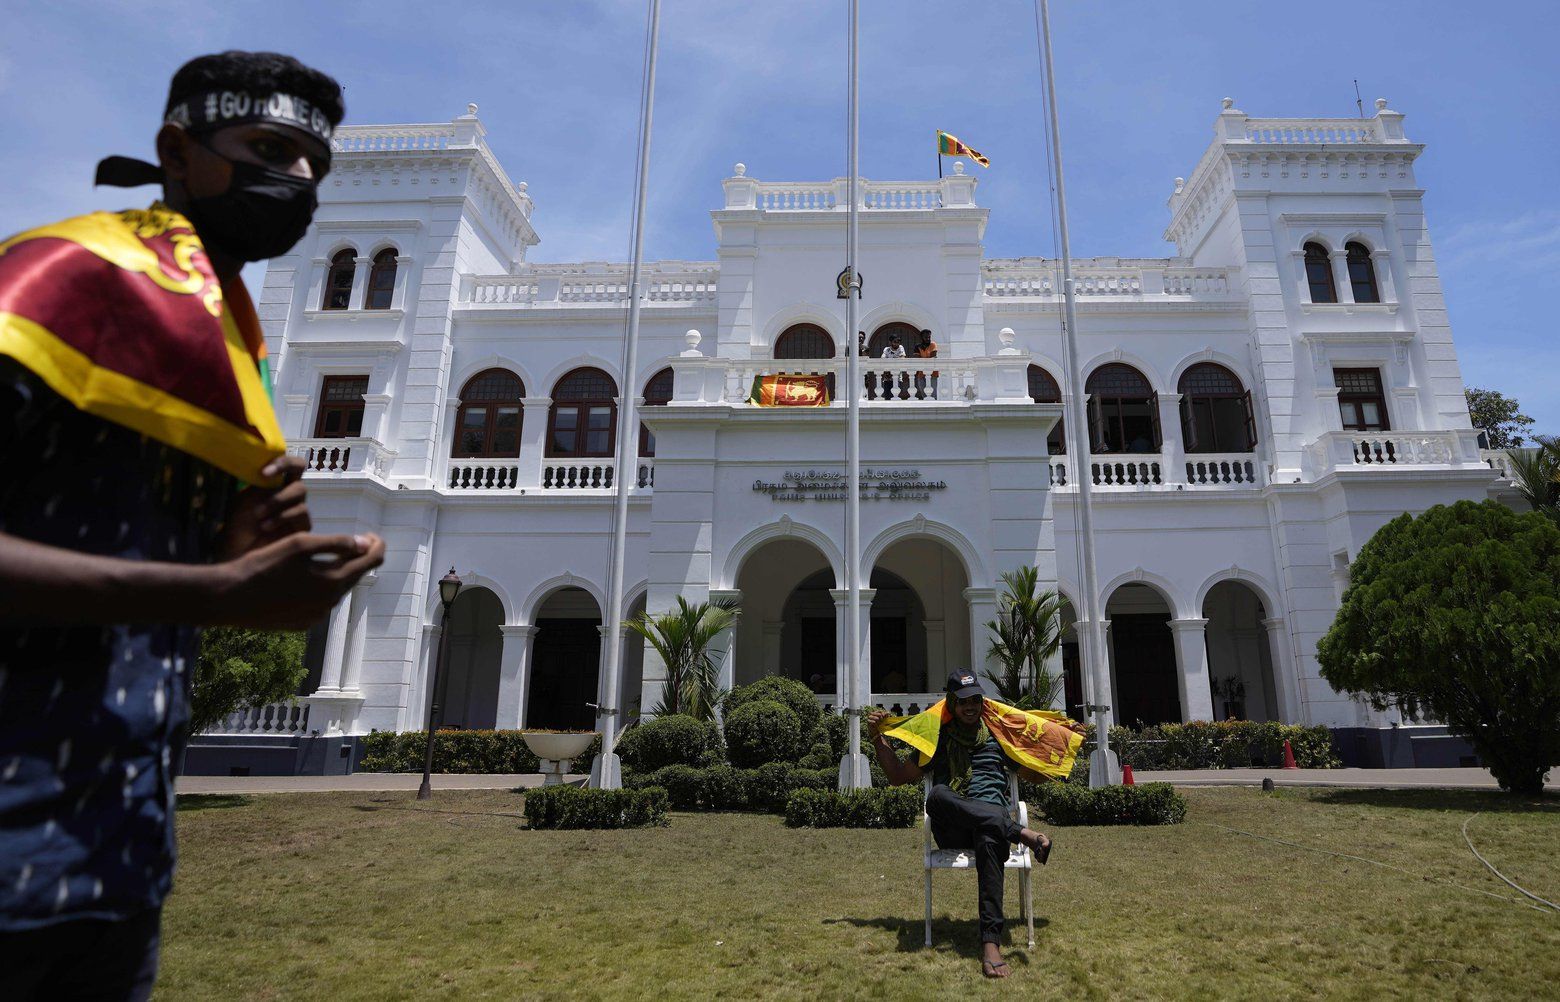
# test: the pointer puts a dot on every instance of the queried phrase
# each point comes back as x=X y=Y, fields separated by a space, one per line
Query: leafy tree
x=1456 y=614
x=238 y=667
x=682 y=638
x=1536 y=472
x=1498 y=415
x=1024 y=638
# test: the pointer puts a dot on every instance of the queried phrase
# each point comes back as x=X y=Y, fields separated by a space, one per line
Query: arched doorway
x=631 y=682
x=920 y=617
x=1146 y=689
x=1240 y=657
x=1072 y=664
x=787 y=622
x=565 y=661
x=468 y=686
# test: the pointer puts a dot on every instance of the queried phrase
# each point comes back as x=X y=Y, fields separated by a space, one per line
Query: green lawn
x=375 y=896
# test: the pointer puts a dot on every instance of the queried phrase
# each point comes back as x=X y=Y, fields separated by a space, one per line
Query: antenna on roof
x=1358 y=101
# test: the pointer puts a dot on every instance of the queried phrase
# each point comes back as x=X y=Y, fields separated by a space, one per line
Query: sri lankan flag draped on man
x=121 y=314
x=1038 y=742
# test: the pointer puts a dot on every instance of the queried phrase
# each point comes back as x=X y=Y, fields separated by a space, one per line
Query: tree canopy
x=1498 y=415
x=239 y=667
x=1455 y=614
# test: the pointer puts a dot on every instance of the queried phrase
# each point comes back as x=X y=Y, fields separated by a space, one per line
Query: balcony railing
x=341 y=456
x=884 y=382
x=576 y=476
x=1154 y=281
x=284 y=718
x=1217 y=470
x=1384 y=450
x=897 y=703
x=1155 y=472
x=543 y=286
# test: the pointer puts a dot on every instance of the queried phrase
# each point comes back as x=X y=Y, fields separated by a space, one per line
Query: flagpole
x=937 y=142
x=607 y=772
x=854 y=774
x=1103 y=769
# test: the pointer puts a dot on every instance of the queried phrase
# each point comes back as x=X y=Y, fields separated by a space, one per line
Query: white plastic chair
x=1018 y=859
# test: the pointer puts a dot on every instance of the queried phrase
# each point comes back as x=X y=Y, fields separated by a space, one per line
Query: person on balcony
x=926 y=349
x=970 y=744
x=134 y=410
x=894 y=349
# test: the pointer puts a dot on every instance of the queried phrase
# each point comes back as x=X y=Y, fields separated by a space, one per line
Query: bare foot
x=991 y=963
x=1038 y=843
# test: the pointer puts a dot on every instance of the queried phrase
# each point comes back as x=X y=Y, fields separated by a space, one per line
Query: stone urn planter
x=557 y=749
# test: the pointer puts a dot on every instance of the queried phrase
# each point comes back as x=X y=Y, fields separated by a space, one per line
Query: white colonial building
x=1259 y=404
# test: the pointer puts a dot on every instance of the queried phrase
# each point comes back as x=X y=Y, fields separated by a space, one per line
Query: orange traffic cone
x=1126 y=776
x=1289 y=756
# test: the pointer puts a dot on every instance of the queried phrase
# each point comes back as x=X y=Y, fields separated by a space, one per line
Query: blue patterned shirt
x=93 y=719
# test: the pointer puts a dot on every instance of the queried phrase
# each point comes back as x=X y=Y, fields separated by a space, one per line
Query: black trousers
x=961 y=823
x=87 y=959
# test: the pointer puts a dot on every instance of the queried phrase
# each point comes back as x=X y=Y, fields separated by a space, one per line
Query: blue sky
x=762 y=83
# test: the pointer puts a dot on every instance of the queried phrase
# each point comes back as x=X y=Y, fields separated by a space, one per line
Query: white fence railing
x=1313 y=130
x=897 y=703
x=483 y=474
x=342 y=456
x=1355 y=449
x=1215 y=470
x=884 y=381
x=1144 y=283
x=366 y=138
x=283 y=718
x=541 y=288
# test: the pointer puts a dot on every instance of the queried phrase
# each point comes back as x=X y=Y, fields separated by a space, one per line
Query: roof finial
x=471 y=109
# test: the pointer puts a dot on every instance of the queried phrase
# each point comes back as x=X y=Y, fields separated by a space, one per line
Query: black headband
x=220 y=108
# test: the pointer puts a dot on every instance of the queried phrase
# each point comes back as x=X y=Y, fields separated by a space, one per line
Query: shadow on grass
x=960 y=936
x=385 y=804
x=211 y=801
x=1489 y=801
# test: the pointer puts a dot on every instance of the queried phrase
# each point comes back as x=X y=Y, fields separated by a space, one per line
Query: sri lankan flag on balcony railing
x=121 y=314
x=1038 y=742
x=948 y=146
x=789 y=390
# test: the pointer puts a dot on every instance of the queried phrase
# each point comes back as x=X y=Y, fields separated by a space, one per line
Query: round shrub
x=787 y=692
x=763 y=731
x=675 y=739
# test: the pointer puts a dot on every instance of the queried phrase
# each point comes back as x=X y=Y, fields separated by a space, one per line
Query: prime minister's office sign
x=877 y=484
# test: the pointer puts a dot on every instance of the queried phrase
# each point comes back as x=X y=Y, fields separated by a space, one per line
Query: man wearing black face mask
x=145 y=494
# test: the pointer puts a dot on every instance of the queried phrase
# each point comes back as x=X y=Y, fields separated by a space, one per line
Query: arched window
x=1123 y=410
x=804 y=341
x=1044 y=390
x=658 y=393
x=1362 y=273
x=583 y=416
x=909 y=339
x=1319 y=274
x=488 y=422
x=338 y=281
x=1216 y=411
x=381 y=281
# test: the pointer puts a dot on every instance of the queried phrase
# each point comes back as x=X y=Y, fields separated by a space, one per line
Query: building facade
x=1258 y=405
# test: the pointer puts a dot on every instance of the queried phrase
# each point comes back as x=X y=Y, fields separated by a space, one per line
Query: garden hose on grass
x=1497 y=873
x=1389 y=866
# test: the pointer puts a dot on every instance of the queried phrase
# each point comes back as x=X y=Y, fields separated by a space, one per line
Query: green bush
x=1072 y=804
x=677 y=739
x=723 y=788
x=788 y=692
x=763 y=731
x=892 y=807
x=577 y=807
x=1223 y=744
x=475 y=752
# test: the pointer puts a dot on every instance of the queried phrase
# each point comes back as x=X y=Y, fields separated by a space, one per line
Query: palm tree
x=682 y=638
x=1537 y=474
x=1024 y=638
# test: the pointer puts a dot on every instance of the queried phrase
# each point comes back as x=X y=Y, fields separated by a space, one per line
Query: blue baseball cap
x=963 y=684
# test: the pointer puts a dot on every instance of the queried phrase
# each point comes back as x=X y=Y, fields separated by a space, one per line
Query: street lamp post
x=449 y=587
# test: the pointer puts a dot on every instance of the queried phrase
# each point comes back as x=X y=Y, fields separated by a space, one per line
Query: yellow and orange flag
x=1038 y=742
x=121 y=314
x=949 y=146
x=789 y=390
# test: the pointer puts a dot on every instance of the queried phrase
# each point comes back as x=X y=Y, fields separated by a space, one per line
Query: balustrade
x=1004 y=281
x=1125 y=472
x=282 y=718
x=1316 y=130
x=1342 y=449
x=483 y=474
x=1234 y=470
x=374 y=138
x=341 y=456
x=577 y=475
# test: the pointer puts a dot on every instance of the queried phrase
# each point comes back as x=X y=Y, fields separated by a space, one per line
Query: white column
x=514 y=676
x=725 y=645
x=360 y=268
x=1085 y=639
x=357 y=633
x=403 y=265
x=841 y=598
x=335 y=645
x=417 y=706
x=1286 y=684
x=771 y=647
x=1340 y=268
x=983 y=609
x=1191 y=658
x=533 y=440
x=1172 y=452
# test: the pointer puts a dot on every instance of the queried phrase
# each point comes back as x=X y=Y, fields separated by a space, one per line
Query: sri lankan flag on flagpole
x=121 y=314
x=949 y=146
x=1038 y=742
x=789 y=390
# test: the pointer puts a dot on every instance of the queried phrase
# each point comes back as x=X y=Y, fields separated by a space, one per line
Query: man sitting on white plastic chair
x=968 y=805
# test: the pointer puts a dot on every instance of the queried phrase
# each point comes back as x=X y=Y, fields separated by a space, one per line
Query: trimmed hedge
x=723 y=788
x=892 y=807
x=1072 y=804
x=676 y=739
x=577 y=807
x=1223 y=744
x=788 y=692
x=761 y=732
x=490 y=752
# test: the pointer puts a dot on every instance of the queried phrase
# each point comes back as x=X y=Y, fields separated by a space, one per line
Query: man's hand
x=293 y=582
x=262 y=515
x=875 y=722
